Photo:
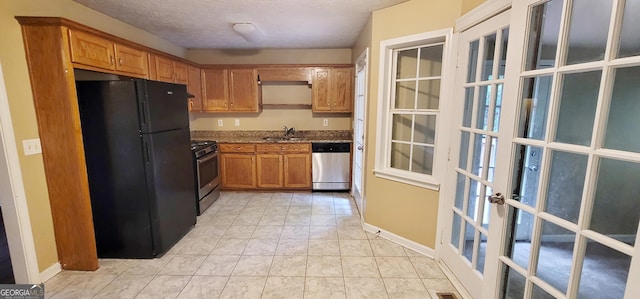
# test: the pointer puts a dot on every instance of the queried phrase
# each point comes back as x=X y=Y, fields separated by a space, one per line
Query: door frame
x=363 y=57
x=15 y=211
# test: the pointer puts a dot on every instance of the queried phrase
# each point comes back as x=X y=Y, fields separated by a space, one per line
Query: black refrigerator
x=139 y=164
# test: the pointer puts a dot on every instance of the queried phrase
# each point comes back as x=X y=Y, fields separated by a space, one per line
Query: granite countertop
x=273 y=136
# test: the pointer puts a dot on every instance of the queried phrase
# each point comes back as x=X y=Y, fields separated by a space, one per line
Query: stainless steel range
x=207 y=173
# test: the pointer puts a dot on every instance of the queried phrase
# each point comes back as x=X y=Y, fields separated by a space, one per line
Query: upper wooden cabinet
x=91 y=51
x=195 y=89
x=332 y=90
x=230 y=90
x=215 y=90
x=168 y=70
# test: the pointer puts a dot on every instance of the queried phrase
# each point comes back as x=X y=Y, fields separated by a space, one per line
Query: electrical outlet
x=237 y=122
x=325 y=122
x=31 y=146
x=220 y=123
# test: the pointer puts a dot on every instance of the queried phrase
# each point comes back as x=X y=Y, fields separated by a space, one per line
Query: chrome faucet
x=289 y=131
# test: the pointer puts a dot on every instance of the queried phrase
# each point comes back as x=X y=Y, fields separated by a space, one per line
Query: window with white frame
x=410 y=109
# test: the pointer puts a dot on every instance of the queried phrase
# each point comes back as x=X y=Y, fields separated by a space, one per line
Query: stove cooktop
x=200 y=144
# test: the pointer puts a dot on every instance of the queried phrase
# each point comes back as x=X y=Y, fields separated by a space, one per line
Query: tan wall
x=273 y=119
x=405 y=210
x=468 y=5
x=364 y=41
x=23 y=115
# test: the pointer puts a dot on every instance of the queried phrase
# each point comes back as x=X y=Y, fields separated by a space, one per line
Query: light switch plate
x=31 y=146
x=220 y=123
x=325 y=122
x=237 y=122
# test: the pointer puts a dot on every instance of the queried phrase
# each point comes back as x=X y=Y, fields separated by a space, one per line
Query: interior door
x=571 y=182
x=358 y=130
x=480 y=83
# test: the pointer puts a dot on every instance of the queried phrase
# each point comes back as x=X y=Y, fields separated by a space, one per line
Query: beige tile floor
x=267 y=245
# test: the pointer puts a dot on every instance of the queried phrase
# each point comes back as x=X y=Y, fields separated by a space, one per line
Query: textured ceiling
x=284 y=23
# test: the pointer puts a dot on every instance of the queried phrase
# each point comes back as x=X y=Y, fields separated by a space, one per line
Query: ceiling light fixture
x=248 y=31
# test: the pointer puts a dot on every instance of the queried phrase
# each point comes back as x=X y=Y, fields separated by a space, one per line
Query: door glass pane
x=401 y=127
x=405 y=95
x=543 y=35
x=492 y=158
x=588 y=30
x=474 y=195
x=464 y=149
x=486 y=214
x=578 y=107
x=482 y=112
x=526 y=174
x=428 y=94
x=400 y=155
x=469 y=236
x=407 y=64
x=473 y=61
x=513 y=285
x=460 y=183
x=425 y=129
x=534 y=106
x=455 y=230
x=630 y=35
x=616 y=208
x=482 y=252
x=478 y=154
x=566 y=181
x=468 y=107
x=624 y=110
x=503 y=53
x=498 y=108
x=555 y=256
x=603 y=266
x=539 y=293
x=431 y=61
x=422 y=159
x=518 y=243
x=487 y=61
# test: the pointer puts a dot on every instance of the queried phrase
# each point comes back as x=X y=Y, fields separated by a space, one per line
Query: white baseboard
x=417 y=247
x=454 y=280
x=50 y=272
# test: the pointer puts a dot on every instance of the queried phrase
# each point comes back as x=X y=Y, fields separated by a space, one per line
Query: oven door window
x=207 y=170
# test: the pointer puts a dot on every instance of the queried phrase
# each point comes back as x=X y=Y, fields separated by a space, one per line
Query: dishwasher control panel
x=338 y=147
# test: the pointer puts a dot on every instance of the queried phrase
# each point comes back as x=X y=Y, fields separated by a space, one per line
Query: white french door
x=568 y=158
x=358 y=130
x=480 y=82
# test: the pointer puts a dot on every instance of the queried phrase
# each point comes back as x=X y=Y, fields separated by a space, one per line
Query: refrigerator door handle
x=143 y=116
x=147 y=154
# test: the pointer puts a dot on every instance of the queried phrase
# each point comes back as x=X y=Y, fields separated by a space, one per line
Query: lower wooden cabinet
x=266 y=166
x=269 y=171
x=297 y=170
x=238 y=170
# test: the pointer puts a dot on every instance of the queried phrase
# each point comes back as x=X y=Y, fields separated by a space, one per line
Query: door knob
x=497 y=198
x=359 y=147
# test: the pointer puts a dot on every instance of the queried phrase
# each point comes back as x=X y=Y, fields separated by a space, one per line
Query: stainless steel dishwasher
x=331 y=166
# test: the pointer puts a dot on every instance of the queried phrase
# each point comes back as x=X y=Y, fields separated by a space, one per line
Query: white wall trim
x=417 y=247
x=14 y=202
x=482 y=12
x=50 y=272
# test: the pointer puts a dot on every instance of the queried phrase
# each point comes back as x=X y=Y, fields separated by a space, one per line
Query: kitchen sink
x=283 y=138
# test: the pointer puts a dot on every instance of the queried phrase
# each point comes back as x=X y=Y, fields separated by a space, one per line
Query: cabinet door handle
x=111 y=58
x=120 y=61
